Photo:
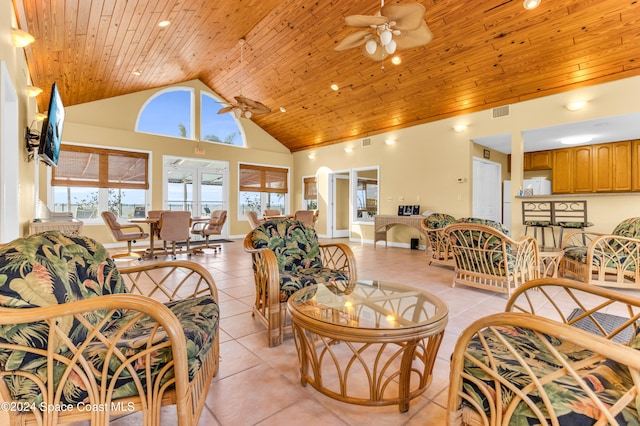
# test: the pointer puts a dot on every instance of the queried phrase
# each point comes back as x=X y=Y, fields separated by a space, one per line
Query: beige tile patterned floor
x=258 y=385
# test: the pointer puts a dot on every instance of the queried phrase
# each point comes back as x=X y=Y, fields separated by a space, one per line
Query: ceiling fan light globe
x=386 y=37
x=391 y=47
x=371 y=46
x=237 y=112
x=248 y=114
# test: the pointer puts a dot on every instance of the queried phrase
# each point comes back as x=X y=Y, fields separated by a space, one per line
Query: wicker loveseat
x=486 y=257
x=287 y=257
x=96 y=341
x=604 y=259
x=433 y=225
x=563 y=353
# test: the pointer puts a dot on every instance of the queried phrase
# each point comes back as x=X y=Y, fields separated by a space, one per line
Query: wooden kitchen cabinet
x=538 y=160
x=612 y=167
x=635 y=165
x=561 y=180
x=582 y=168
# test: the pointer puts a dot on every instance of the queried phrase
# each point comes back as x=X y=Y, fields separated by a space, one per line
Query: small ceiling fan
x=244 y=107
x=397 y=26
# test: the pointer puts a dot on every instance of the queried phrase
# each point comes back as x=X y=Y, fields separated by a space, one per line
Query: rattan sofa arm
x=577 y=238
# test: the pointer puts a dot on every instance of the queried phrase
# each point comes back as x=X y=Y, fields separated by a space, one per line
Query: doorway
x=339 y=184
x=487 y=194
x=197 y=186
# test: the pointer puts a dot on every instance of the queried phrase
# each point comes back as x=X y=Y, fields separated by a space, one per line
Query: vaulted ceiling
x=485 y=53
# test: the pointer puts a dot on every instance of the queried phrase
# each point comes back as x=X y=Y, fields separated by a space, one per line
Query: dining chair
x=124 y=232
x=212 y=227
x=253 y=219
x=175 y=226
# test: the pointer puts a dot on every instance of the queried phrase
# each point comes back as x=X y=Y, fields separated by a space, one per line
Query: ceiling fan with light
x=396 y=26
x=244 y=107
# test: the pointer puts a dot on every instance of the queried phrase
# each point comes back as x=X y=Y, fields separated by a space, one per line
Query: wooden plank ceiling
x=485 y=53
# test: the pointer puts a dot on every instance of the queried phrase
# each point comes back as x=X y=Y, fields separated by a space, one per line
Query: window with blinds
x=101 y=168
x=310 y=188
x=263 y=179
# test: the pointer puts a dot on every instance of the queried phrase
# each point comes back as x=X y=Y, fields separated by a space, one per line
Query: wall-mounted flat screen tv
x=51 y=134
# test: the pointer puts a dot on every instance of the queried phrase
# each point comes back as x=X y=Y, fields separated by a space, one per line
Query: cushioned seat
x=433 y=226
x=557 y=356
x=98 y=335
x=287 y=257
x=486 y=257
x=604 y=259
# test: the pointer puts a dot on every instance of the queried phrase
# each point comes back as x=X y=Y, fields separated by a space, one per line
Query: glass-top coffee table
x=375 y=345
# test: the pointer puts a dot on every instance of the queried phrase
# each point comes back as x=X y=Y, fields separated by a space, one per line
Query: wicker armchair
x=564 y=353
x=611 y=260
x=433 y=225
x=78 y=333
x=287 y=257
x=487 y=258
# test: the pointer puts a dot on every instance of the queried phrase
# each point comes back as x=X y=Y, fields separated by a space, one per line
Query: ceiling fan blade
x=407 y=16
x=225 y=110
x=412 y=39
x=364 y=21
x=253 y=106
x=353 y=40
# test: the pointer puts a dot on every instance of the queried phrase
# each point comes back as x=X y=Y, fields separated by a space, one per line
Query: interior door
x=339 y=199
x=487 y=194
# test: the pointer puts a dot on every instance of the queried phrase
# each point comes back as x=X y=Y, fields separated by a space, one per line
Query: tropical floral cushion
x=298 y=253
x=539 y=223
x=608 y=379
x=629 y=228
x=574 y=225
x=492 y=223
x=438 y=220
x=54 y=268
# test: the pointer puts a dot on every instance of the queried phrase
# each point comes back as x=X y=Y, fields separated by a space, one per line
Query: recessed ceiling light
x=136 y=72
x=283 y=109
x=531 y=4
x=575 y=140
x=396 y=60
x=335 y=87
x=164 y=23
x=575 y=106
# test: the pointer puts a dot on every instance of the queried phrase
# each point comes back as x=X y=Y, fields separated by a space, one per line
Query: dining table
x=153 y=225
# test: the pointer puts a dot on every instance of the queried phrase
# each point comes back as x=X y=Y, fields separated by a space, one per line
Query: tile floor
x=258 y=385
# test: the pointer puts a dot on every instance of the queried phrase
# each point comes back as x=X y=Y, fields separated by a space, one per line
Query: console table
x=382 y=223
x=73 y=227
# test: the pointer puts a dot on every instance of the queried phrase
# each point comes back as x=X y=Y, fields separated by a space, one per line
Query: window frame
x=103 y=193
x=267 y=192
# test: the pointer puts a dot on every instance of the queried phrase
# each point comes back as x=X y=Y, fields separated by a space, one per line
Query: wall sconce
x=311 y=156
x=459 y=128
x=40 y=116
x=389 y=141
x=21 y=38
x=576 y=106
x=33 y=91
x=348 y=149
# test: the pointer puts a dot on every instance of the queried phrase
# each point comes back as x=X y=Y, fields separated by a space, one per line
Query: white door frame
x=333 y=204
x=10 y=140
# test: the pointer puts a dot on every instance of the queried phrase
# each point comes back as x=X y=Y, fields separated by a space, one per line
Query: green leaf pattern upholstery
x=491 y=243
x=628 y=228
x=298 y=254
x=570 y=405
x=53 y=268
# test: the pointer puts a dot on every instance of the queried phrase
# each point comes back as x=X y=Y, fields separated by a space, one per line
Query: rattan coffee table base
x=366 y=373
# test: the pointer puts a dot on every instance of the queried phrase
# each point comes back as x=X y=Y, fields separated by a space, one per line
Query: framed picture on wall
x=487 y=154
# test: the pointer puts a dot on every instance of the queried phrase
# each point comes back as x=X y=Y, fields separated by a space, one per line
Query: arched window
x=214 y=127
x=168 y=113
